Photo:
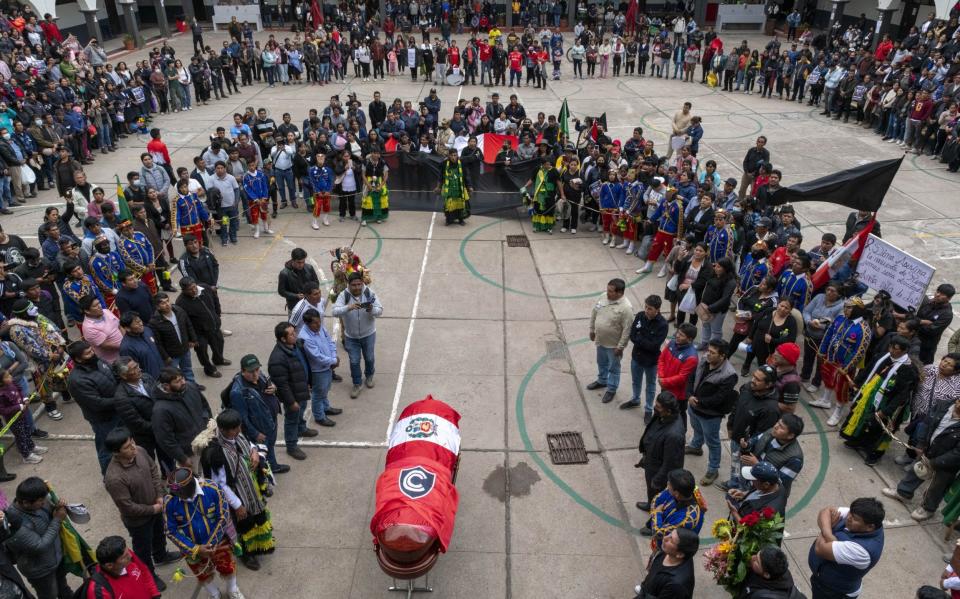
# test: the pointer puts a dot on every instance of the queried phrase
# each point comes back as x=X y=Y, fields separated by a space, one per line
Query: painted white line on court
x=302 y=442
x=413 y=322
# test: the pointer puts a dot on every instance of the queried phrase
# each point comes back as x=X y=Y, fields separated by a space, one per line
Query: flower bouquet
x=729 y=559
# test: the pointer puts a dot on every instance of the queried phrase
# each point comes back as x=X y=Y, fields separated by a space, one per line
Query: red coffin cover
x=419 y=492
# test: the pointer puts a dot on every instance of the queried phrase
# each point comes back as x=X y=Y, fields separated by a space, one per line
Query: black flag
x=861 y=187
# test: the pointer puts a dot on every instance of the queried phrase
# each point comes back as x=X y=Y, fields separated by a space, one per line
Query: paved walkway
x=499 y=332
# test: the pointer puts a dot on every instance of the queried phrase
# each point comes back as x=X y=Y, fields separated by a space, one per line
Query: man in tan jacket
x=610 y=323
x=680 y=124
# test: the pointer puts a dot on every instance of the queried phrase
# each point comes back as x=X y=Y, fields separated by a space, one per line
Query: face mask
x=38 y=122
x=6 y=136
x=135 y=183
x=32 y=311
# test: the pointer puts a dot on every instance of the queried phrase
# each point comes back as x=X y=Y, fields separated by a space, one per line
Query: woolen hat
x=789 y=352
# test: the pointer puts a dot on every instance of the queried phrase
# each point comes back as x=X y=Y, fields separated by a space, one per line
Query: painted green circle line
x=799 y=505
x=376 y=254
x=729 y=116
x=476 y=273
x=931 y=172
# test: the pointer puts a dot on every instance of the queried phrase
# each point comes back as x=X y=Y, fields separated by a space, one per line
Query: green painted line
x=729 y=115
x=799 y=505
x=931 y=172
x=376 y=252
x=476 y=273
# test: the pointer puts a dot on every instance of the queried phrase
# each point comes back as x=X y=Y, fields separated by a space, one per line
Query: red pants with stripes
x=608 y=218
x=221 y=562
x=150 y=280
x=321 y=203
x=259 y=210
x=662 y=242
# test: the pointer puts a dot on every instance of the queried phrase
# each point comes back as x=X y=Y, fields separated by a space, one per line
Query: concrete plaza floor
x=500 y=333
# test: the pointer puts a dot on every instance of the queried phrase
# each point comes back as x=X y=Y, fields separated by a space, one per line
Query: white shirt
x=849 y=553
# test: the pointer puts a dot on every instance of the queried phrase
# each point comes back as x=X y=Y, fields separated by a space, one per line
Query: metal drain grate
x=518 y=241
x=557 y=350
x=567 y=448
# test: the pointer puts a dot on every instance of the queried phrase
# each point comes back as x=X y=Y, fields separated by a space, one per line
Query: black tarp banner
x=414 y=178
x=861 y=187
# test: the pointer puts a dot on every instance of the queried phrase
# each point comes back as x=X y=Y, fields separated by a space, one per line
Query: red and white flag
x=427 y=428
x=851 y=250
x=491 y=144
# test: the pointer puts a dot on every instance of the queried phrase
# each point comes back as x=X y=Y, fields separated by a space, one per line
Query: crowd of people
x=92 y=315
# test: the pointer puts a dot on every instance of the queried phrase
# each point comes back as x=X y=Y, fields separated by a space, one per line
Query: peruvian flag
x=850 y=251
x=428 y=428
x=491 y=144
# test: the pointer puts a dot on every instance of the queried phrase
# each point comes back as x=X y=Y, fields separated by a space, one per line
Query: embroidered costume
x=376 y=201
x=456 y=196
x=885 y=392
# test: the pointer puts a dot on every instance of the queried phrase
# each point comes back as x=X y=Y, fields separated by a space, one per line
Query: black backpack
x=225 y=403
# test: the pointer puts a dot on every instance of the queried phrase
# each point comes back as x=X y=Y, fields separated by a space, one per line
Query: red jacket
x=675 y=366
x=135 y=583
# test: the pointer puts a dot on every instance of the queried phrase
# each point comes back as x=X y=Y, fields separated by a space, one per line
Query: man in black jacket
x=174 y=334
x=180 y=413
x=92 y=385
x=295 y=275
x=769 y=576
x=935 y=315
x=289 y=372
x=661 y=446
x=857 y=221
x=751 y=164
x=134 y=404
x=648 y=332
x=939 y=435
x=757 y=410
x=203 y=308
x=199 y=263
x=711 y=395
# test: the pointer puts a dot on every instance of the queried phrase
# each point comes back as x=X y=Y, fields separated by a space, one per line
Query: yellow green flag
x=78 y=557
x=125 y=213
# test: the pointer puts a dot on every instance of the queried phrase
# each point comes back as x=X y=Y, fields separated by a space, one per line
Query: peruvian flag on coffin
x=416 y=486
x=429 y=429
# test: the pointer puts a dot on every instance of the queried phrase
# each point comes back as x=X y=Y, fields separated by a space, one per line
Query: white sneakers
x=622 y=245
x=256 y=232
x=631 y=248
x=663 y=271
x=326 y=220
x=811 y=388
x=834 y=418
x=921 y=514
x=646 y=267
x=573 y=231
x=315 y=225
x=606 y=239
x=820 y=402
x=33 y=458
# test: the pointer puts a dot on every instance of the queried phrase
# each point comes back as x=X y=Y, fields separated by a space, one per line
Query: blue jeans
x=512 y=74
x=106 y=136
x=6 y=196
x=185 y=365
x=713 y=330
x=639 y=373
x=706 y=429
x=294 y=423
x=355 y=347
x=231 y=229
x=285 y=183
x=318 y=394
x=736 y=481
x=271 y=74
x=608 y=368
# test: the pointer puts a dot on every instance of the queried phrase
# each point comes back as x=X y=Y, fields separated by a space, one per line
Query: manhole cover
x=567 y=448
x=518 y=241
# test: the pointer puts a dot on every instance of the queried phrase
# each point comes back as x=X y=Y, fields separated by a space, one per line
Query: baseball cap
x=765 y=222
x=249 y=362
x=764 y=472
x=731 y=181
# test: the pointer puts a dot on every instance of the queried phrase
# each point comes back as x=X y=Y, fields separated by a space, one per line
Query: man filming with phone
x=358 y=307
